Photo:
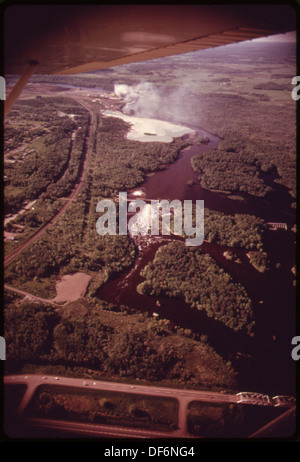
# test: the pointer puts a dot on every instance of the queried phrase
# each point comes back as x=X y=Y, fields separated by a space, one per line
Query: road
x=95 y=430
x=183 y=396
x=9 y=258
x=28 y=295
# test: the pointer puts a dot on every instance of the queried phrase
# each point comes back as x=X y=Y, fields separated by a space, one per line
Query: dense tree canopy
x=180 y=271
x=86 y=334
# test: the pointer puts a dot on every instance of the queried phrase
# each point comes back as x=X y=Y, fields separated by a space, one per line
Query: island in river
x=111 y=332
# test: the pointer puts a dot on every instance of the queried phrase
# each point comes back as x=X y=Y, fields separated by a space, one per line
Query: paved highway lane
x=101 y=431
x=183 y=396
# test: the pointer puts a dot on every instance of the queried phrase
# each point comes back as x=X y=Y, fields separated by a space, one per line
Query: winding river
x=263 y=362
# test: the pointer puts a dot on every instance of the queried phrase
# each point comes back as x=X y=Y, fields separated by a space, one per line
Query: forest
x=72 y=243
x=188 y=273
x=91 y=335
x=47 y=165
x=227 y=170
x=44 y=150
x=114 y=164
x=239 y=165
x=121 y=164
x=259 y=260
x=238 y=230
x=250 y=145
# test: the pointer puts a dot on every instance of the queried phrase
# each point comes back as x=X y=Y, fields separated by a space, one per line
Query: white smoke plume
x=173 y=104
x=142 y=100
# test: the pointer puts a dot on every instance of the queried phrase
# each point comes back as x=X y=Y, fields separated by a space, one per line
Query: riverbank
x=246 y=356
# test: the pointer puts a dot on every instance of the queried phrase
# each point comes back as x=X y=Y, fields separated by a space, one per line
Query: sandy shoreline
x=143 y=129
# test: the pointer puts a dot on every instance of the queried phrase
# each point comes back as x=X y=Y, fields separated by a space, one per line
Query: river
x=264 y=362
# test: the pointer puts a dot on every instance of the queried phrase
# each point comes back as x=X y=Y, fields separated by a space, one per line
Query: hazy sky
x=287 y=37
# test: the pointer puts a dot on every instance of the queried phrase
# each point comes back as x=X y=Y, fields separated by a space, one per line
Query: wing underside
x=73 y=39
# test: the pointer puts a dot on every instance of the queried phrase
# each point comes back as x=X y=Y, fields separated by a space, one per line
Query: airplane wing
x=68 y=39
x=71 y=39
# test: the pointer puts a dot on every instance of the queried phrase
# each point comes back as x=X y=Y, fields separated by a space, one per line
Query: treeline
x=73 y=244
x=202 y=140
x=103 y=79
x=120 y=164
x=238 y=230
x=62 y=249
x=263 y=131
x=272 y=86
x=28 y=223
x=267 y=155
x=228 y=170
x=259 y=260
x=27 y=179
x=14 y=136
x=36 y=117
x=51 y=162
x=70 y=245
x=179 y=271
x=86 y=335
x=67 y=181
